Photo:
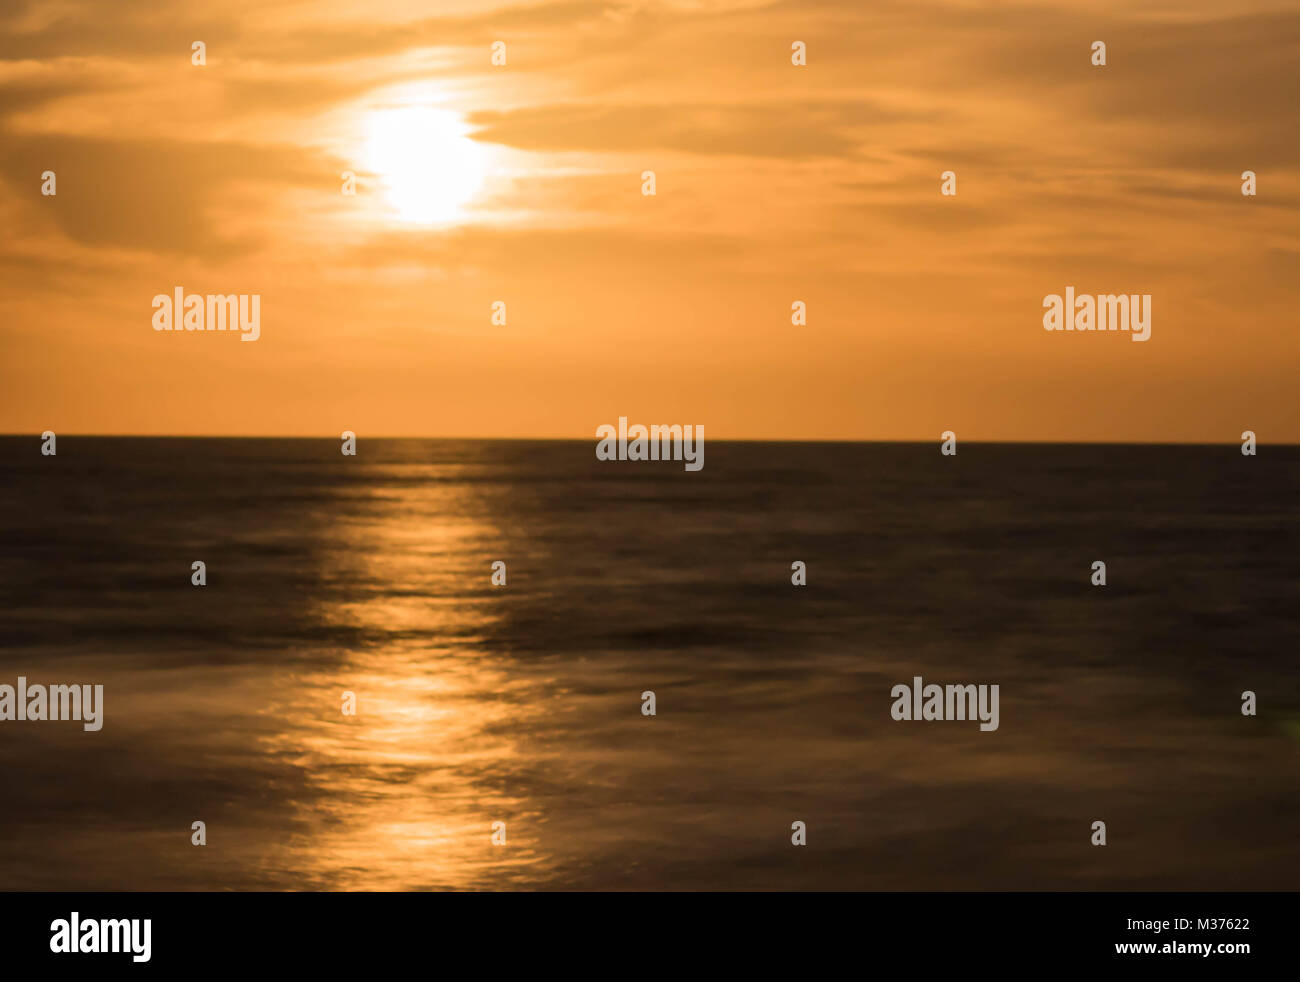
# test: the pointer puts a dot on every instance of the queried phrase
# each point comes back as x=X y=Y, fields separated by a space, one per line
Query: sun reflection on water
x=402 y=795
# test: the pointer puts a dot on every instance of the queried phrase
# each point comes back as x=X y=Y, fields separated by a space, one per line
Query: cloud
x=791 y=130
x=155 y=195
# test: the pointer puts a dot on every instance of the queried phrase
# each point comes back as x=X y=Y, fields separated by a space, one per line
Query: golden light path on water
x=403 y=794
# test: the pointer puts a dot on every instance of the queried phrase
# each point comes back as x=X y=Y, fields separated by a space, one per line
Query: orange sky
x=775 y=183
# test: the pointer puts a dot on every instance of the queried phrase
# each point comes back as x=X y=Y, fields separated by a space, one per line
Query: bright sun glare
x=428 y=165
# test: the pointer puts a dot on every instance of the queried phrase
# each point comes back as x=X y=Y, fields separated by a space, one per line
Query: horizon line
x=580 y=439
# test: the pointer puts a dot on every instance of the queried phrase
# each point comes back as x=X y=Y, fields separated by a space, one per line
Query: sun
x=429 y=167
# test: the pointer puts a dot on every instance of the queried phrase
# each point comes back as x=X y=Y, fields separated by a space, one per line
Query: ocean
x=522 y=703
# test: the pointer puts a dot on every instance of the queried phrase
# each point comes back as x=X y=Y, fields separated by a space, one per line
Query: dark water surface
x=522 y=704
